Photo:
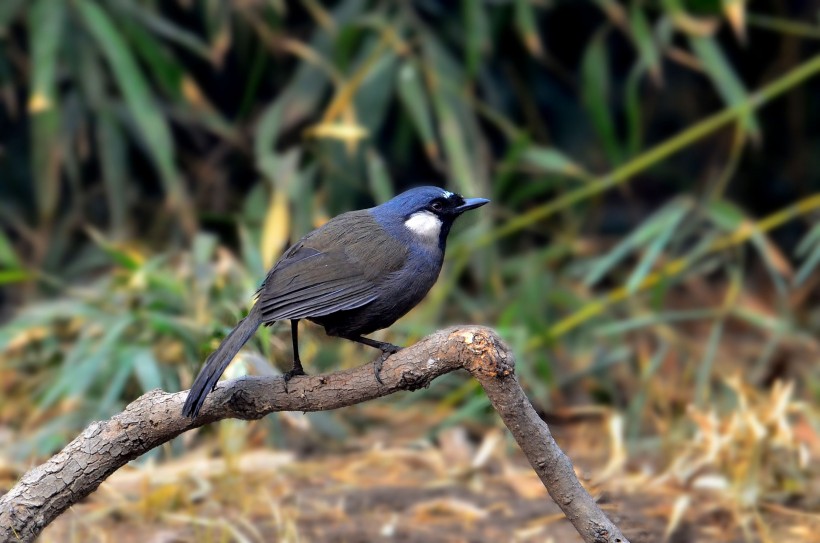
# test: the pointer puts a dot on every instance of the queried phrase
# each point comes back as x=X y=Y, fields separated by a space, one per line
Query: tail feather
x=216 y=363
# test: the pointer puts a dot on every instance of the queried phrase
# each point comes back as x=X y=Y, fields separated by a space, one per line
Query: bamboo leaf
x=668 y=228
x=152 y=126
x=147 y=370
x=164 y=69
x=267 y=131
x=648 y=229
x=46 y=24
x=378 y=176
x=9 y=9
x=114 y=163
x=636 y=406
x=527 y=27
x=82 y=366
x=414 y=98
x=808 y=267
x=476 y=35
x=811 y=239
x=8 y=277
x=453 y=120
x=123 y=369
x=621 y=327
x=644 y=41
x=165 y=28
x=723 y=76
x=595 y=94
x=8 y=257
x=551 y=160
x=809 y=250
x=704 y=371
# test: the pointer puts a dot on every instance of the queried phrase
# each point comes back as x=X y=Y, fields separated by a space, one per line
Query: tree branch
x=156 y=417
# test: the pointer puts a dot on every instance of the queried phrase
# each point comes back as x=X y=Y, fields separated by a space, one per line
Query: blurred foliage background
x=652 y=244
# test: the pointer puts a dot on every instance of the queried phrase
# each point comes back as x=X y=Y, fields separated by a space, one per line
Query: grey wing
x=310 y=283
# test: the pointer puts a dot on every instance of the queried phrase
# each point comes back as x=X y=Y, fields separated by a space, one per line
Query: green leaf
x=808 y=267
x=9 y=9
x=117 y=254
x=725 y=214
x=527 y=28
x=376 y=93
x=146 y=115
x=669 y=226
x=811 y=254
x=414 y=98
x=165 y=28
x=595 y=94
x=8 y=277
x=114 y=163
x=163 y=323
x=164 y=69
x=723 y=76
x=123 y=369
x=81 y=367
x=46 y=24
x=703 y=374
x=267 y=131
x=636 y=406
x=811 y=239
x=8 y=257
x=476 y=34
x=147 y=369
x=644 y=41
x=454 y=120
x=652 y=319
x=632 y=108
x=204 y=248
x=551 y=160
x=653 y=226
x=378 y=176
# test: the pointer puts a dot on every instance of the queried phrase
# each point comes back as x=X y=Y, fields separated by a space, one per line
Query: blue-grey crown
x=416 y=198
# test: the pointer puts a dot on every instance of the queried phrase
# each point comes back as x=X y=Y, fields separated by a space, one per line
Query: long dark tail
x=216 y=363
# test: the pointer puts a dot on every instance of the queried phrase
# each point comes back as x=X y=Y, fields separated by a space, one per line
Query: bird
x=358 y=273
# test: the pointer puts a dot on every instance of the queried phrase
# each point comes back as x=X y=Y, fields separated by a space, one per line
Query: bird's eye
x=436 y=206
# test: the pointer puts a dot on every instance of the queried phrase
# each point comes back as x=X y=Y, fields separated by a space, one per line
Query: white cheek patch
x=424 y=224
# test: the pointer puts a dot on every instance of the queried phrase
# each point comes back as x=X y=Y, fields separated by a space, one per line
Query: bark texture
x=156 y=417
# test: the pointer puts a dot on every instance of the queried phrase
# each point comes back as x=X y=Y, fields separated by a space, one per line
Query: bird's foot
x=295 y=371
x=387 y=350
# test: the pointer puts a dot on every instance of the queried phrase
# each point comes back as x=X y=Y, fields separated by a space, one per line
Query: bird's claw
x=377 y=365
x=294 y=372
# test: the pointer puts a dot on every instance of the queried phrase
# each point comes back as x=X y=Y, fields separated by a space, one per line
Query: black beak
x=471 y=203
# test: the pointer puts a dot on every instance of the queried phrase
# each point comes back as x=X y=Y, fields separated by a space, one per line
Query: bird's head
x=428 y=212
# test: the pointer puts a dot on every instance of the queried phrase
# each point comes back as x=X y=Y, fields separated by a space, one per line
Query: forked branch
x=156 y=417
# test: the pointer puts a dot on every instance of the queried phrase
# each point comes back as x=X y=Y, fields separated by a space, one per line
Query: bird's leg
x=297 y=363
x=386 y=348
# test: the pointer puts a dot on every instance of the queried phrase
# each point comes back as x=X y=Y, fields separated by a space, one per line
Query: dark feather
x=337 y=267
